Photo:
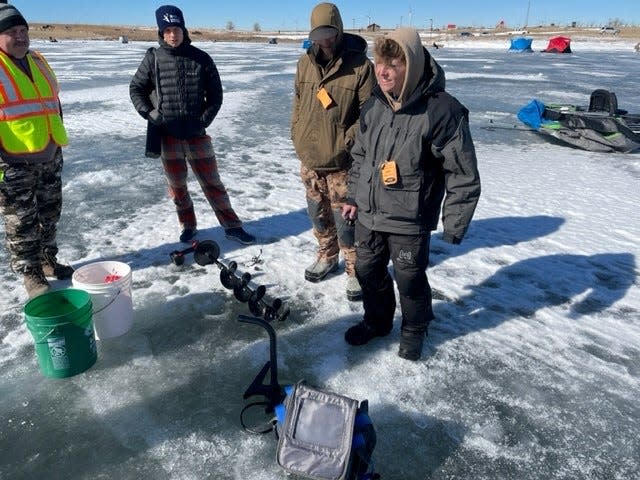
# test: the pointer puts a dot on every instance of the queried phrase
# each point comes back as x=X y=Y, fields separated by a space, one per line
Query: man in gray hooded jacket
x=413 y=146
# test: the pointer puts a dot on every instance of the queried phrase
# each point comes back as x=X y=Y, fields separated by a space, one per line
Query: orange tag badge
x=325 y=98
x=389 y=172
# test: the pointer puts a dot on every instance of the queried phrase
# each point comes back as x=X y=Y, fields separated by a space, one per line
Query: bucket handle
x=109 y=303
x=54 y=326
x=40 y=340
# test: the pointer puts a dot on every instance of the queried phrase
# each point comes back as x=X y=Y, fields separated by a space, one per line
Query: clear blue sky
x=294 y=15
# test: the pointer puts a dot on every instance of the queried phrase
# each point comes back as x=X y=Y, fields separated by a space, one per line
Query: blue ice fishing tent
x=521 y=44
x=306 y=44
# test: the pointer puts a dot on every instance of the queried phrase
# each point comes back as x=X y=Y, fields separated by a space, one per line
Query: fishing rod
x=506 y=126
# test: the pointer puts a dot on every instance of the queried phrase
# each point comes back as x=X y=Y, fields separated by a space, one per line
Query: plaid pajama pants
x=199 y=153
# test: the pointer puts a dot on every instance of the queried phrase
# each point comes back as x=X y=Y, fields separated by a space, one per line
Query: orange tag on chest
x=389 y=172
x=325 y=98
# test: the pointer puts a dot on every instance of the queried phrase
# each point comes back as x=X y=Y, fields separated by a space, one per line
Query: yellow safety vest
x=29 y=109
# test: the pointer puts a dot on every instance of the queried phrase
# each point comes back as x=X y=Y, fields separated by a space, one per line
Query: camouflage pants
x=30 y=202
x=326 y=193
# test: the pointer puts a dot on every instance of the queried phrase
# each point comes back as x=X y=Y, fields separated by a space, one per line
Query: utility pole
x=431 y=27
x=526 y=20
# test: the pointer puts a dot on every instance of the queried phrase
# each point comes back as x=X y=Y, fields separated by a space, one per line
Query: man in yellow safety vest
x=31 y=136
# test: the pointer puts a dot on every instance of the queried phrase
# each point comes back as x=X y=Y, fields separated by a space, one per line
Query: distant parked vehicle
x=465 y=34
x=609 y=31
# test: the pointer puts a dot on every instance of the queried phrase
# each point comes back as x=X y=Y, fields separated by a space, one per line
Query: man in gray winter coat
x=413 y=149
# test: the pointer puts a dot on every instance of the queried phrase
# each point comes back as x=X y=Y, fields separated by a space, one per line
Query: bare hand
x=349 y=212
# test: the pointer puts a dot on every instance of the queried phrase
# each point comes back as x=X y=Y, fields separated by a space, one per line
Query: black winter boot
x=363 y=332
x=411 y=342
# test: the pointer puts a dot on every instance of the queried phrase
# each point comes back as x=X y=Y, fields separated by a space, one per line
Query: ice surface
x=531 y=368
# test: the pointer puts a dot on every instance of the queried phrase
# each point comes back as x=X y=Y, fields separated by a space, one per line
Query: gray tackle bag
x=324 y=436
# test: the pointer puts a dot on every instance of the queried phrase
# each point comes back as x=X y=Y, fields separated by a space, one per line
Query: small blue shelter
x=521 y=44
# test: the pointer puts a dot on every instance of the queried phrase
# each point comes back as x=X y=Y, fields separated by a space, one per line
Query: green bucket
x=62 y=328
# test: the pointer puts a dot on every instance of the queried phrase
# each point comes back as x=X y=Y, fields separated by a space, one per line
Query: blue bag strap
x=281 y=409
x=362 y=420
x=281 y=412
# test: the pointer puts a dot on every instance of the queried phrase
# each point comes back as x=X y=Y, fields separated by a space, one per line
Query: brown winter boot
x=52 y=269
x=35 y=283
x=319 y=269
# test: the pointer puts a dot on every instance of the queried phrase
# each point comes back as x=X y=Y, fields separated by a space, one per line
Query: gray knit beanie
x=10 y=17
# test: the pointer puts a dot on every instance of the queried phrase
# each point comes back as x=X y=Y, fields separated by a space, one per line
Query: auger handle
x=272 y=391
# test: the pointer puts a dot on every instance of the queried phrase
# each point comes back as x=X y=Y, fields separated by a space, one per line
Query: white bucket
x=109 y=284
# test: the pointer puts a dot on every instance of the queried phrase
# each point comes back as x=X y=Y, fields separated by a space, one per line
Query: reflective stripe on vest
x=29 y=109
x=8 y=87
